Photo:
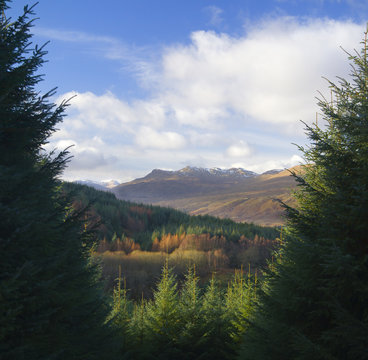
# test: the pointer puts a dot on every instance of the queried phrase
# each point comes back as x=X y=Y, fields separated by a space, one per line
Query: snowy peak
x=272 y=172
x=109 y=183
x=104 y=185
x=215 y=171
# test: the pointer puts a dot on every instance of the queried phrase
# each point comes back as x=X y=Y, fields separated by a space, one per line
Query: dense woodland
x=150 y=235
x=113 y=218
x=310 y=303
x=186 y=323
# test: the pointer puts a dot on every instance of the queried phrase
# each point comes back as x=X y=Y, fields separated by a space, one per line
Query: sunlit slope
x=250 y=199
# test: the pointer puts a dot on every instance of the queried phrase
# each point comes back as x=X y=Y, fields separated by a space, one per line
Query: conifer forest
x=84 y=275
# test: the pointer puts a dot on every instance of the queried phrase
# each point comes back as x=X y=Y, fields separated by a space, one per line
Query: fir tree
x=314 y=304
x=240 y=296
x=137 y=344
x=121 y=313
x=49 y=304
x=216 y=342
x=190 y=316
x=163 y=316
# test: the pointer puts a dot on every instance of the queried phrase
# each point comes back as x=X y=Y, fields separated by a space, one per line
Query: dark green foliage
x=144 y=222
x=120 y=314
x=162 y=317
x=216 y=342
x=186 y=323
x=49 y=306
x=240 y=297
x=191 y=323
x=314 y=304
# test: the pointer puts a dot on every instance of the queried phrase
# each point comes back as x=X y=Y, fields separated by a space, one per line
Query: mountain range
x=235 y=193
x=104 y=185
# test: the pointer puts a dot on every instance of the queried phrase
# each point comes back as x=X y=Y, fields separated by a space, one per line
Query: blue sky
x=169 y=83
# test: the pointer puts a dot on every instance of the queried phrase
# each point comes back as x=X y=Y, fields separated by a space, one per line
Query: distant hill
x=104 y=185
x=236 y=193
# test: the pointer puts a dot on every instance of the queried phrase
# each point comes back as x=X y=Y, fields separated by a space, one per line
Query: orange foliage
x=203 y=242
x=127 y=245
x=169 y=243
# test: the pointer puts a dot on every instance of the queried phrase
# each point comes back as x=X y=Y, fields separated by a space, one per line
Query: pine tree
x=314 y=304
x=121 y=313
x=163 y=316
x=216 y=342
x=240 y=296
x=49 y=304
x=138 y=346
x=190 y=316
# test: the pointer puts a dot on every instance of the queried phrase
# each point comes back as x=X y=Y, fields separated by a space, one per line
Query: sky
x=208 y=83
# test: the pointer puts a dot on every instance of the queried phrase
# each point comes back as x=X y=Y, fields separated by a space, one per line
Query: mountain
x=109 y=183
x=105 y=185
x=236 y=193
x=213 y=172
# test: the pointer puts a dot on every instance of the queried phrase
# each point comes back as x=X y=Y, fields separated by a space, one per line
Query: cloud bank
x=218 y=101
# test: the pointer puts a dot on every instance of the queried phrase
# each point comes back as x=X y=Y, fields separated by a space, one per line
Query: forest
x=307 y=301
x=150 y=235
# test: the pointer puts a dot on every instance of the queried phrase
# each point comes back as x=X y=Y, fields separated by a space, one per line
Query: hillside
x=111 y=217
x=139 y=238
x=237 y=194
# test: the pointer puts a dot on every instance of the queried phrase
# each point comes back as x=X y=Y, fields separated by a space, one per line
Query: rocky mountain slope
x=236 y=193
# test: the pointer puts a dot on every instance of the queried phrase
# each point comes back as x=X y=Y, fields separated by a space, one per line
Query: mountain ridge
x=235 y=193
x=214 y=171
x=105 y=185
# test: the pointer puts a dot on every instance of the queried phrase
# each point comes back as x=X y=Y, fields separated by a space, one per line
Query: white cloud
x=270 y=75
x=261 y=165
x=103 y=112
x=166 y=140
x=239 y=150
x=63 y=144
x=212 y=98
x=88 y=155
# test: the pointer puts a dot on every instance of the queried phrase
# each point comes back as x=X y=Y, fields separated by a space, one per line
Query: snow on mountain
x=234 y=172
x=272 y=172
x=109 y=183
x=104 y=185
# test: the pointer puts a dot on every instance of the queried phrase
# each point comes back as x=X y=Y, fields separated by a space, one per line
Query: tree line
x=113 y=218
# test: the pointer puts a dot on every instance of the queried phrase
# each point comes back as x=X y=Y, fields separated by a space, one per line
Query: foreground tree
x=163 y=317
x=216 y=341
x=49 y=304
x=314 y=304
x=190 y=318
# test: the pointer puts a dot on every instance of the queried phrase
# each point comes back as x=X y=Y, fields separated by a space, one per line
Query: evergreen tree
x=216 y=342
x=49 y=304
x=314 y=302
x=163 y=316
x=190 y=316
x=240 y=296
x=121 y=313
x=137 y=345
